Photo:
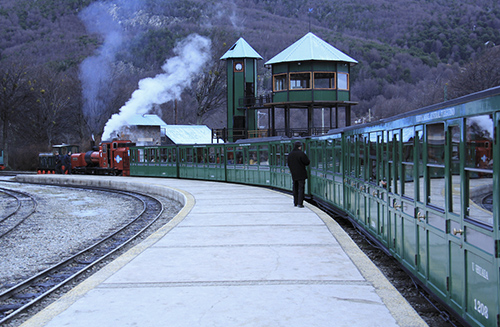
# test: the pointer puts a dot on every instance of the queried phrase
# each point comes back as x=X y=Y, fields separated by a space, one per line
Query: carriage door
x=454 y=198
x=394 y=187
x=278 y=166
x=420 y=212
x=408 y=203
x=480 y=224
x=378 y=192
x=273 y=164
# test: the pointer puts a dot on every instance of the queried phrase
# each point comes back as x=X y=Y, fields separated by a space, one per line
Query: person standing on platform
x=58 y=162
x=67 y=163
x=297 y=162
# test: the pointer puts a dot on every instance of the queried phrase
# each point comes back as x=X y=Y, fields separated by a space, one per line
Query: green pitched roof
x=241 y=49
x=311 y=47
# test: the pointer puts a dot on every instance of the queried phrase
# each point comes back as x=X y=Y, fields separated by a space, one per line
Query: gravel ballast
x=66 y=221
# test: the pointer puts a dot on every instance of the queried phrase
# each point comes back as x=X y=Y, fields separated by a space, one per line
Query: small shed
x=188 y=134
x=144 y=129
x=150 y=129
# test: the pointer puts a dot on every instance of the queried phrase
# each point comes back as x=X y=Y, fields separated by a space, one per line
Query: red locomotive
x=111 y=158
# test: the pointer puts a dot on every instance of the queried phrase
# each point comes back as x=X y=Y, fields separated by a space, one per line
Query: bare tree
x=15 y=91
x=478 y=75
x=210 y=91
x=52 y=99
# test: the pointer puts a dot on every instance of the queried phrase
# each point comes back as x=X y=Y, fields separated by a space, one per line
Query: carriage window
x=408 y=164
x=479 y=168
x=351 y=160
x=329 y=155
x=264 y=155
x=200 y=155
x=220 y=155
x=300 y=81
x=420 y=160
x=277 y=157
x=252 y=156
x=230 y=156
x=435 y=165
x=133 y=155
x=189 y=155
x=361 y=156
x=211 y=155
x=239 y=156
x=456 y=190
x=408 y=144
x=172 y=156
x=164 y=154
x=435 y=144
x=140 y=155
x=479 y=138
x=394 y=158
x=288 y=149
x=383 y=155
x=151 y=155
x=319 y=154
x=337 y=156
x=373 y=157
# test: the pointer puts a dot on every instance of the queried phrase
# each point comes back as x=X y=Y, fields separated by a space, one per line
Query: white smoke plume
x=95 y=71
x=191 y=54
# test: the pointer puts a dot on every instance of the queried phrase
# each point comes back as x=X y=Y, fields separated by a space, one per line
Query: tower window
x=324 y=80
x=279 y=82
x=343 y=81
x=300 y=81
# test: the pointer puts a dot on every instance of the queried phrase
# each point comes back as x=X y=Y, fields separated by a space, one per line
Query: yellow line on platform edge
x=60 y=305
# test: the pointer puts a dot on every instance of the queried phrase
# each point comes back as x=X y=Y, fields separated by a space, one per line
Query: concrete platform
x=234 y=256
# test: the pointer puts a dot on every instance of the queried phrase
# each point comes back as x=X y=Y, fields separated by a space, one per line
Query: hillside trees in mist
x=408 y=51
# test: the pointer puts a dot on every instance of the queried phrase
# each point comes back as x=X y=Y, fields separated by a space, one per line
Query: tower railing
x=252 y=101
x=234 y=134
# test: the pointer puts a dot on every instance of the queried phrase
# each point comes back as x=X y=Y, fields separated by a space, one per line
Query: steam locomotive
x=109 y=158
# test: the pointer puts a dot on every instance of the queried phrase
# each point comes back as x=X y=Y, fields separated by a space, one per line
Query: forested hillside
x=67 y=65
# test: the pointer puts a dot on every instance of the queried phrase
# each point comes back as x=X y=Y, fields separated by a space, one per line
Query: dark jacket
x=297 y=162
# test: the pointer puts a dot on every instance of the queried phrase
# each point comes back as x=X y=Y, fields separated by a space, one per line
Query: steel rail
x=16 y=222
x=69 y=269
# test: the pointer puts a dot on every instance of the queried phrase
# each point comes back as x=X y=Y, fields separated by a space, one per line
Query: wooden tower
x=241 y=68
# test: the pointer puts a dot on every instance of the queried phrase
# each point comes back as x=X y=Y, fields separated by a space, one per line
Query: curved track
x=31 y=291
x=25 y=206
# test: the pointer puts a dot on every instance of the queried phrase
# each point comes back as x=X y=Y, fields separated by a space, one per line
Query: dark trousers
x=298 y=191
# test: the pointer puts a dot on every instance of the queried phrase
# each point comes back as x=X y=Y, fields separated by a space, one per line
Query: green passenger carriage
x=154 y=161
x=424 y=185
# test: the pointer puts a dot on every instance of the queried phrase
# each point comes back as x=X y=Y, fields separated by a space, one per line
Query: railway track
x=28 y=293
x=25 y=205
